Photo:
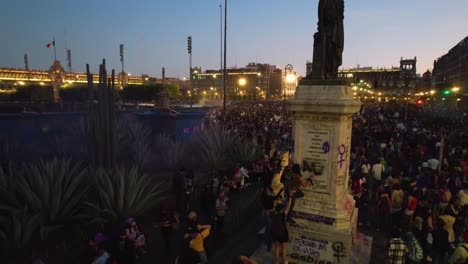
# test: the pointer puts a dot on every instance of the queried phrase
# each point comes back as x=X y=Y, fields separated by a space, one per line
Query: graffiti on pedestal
x=316 y=158
x=304 y=248
x=314 y=218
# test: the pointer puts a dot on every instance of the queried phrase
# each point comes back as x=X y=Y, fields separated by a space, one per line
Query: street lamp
x=287 y=68
x=241 y=82
x=455 y=89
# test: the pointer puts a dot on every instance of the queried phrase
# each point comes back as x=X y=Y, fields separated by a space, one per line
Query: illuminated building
x=452 y=68
x=254 y=81
x=403 y=77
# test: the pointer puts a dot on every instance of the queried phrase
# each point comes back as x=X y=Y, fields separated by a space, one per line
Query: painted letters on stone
x=316 y=160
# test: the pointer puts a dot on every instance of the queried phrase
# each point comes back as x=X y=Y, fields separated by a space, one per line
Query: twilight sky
x=377 y=32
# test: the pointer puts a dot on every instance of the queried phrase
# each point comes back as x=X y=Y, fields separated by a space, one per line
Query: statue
x=328 y=41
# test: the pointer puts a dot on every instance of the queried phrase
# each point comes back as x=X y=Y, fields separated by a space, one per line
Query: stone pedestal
x=163 y=100
x=326 y=216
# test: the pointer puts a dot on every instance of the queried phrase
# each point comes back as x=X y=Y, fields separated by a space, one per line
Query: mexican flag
x=50 y=44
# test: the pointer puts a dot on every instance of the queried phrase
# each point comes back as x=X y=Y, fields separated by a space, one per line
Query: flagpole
x=55 y=52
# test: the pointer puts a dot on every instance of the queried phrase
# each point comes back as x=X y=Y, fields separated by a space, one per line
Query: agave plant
x=212 y=147
x=61 y=142
x=133 y=139
x=19 y=227
x=54 y=190
x=8 y=200
x=245 y=152
x=122 y=193
x=172 y=152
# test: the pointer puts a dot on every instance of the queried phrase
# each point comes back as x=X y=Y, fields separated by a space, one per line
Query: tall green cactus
x=101 y=119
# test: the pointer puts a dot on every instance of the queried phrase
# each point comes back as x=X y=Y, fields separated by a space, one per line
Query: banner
x=361 y=249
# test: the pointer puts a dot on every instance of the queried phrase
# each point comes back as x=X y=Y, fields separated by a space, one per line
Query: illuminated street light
x=354 y=88
x=290 y=78
x=455 y=89
x=21 y=83
x=432 y=92
x=242 y=82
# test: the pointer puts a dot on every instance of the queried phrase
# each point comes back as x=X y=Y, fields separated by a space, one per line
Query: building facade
x=451 y=70
x=254 y=81
x=395 y=78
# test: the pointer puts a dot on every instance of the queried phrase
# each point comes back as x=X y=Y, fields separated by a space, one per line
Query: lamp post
x=287 y=68
x=242 y=82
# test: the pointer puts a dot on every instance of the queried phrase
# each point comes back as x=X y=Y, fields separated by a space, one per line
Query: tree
x=148 y=92
x=33 y=93
x=172 y=90
x=73 y=93
x=139 y=93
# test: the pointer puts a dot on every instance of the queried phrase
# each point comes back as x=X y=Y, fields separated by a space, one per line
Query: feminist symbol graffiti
x=341 y=151
x=338 y=248
x=326 y=147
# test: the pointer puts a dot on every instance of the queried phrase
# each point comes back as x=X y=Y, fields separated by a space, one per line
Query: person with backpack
x=195 y=238
x=460 y=254
x=415 y=251
x=279 y=230
x=396 y=249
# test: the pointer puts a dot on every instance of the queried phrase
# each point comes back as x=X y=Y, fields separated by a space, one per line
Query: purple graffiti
x=341 y=151
x=326 y=147
x=314 y=218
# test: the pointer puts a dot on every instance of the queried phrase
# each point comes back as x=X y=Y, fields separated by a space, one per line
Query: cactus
x=101 y=119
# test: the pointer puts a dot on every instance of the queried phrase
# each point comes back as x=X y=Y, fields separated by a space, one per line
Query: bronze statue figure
x=328 y=41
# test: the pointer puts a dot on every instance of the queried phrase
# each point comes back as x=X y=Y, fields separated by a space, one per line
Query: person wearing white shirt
x=377 y=171
x=433 y=163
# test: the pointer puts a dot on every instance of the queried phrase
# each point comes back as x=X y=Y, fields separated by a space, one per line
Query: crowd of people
x=410 y=174
x=408 y=177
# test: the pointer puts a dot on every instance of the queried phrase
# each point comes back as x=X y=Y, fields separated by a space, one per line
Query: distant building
x=452 y=68
x=425 y=83
x=254 y=81
x=382 y=78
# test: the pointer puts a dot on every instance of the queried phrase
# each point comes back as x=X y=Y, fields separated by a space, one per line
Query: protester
x=100 y=246
x=221 y=208
x=268 y=198
x=396 y=251
x=441 y=243
x=134 y=235
x=196 y=241
x=295 y=183
x=279 y=230
x=460 y=255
